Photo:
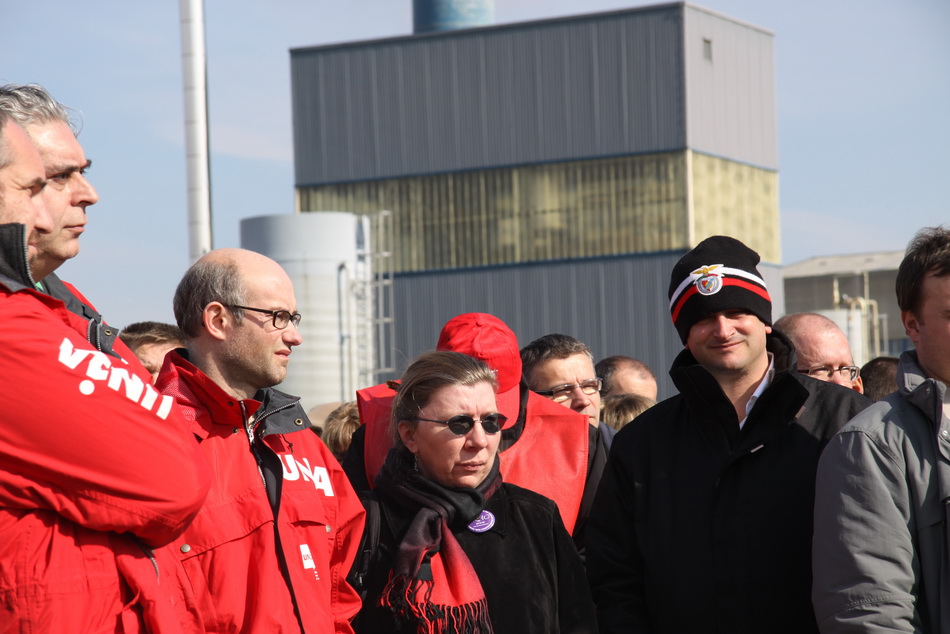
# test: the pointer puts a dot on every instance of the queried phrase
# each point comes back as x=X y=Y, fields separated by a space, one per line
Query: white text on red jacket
x=100 y=369
x=294 y=469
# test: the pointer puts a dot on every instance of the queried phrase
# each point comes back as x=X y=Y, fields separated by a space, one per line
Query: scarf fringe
x=402 y=597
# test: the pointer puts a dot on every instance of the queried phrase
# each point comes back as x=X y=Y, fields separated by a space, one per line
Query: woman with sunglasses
x=458 y=549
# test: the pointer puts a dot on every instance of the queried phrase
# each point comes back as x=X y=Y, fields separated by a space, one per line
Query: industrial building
x=857 y=292
x=548 y=172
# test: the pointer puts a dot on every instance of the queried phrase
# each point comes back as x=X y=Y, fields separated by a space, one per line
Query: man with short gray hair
x=66 y=196
x=97 y=469
x=68 y=193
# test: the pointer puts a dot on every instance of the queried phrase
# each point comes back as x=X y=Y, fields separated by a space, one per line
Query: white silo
x=325 y=255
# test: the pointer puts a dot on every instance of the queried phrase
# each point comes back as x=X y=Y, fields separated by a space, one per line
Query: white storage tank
x=324 y=255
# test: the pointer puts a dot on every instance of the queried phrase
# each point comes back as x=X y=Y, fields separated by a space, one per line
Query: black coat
x=529 y=569
x=701 y=527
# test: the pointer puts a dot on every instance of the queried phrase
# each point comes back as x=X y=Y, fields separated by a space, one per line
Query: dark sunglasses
x=463 y=423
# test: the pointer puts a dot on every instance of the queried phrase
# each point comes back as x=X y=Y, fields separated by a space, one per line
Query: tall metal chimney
x=448 y=15
x=194 y=76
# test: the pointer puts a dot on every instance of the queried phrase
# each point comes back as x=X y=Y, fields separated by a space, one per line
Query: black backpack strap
x=368 y=544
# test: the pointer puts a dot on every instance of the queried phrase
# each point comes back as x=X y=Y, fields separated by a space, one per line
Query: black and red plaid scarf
x=432 y=584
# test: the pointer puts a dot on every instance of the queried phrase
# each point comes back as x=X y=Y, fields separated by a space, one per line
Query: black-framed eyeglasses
x=829 y=373
x=561 y=393
x=282 y=318
x=463 y=423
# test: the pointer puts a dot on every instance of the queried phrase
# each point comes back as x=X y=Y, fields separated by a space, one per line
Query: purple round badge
x=484 y=522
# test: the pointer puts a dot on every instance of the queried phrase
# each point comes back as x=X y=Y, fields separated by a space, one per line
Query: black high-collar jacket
x=702 y=527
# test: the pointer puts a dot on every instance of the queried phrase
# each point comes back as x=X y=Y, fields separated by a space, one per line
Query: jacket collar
x=782 y=399
x=204 y=403
x=14 y=264
x=924 y=393
x=54 y=287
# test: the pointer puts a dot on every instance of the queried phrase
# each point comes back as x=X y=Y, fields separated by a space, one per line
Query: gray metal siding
x=584 y=87
x=730 y=98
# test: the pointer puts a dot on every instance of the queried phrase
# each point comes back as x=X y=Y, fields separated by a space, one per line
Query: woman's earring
x=415 y=464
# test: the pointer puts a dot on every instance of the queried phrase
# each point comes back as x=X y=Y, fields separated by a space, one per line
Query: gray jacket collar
x=927 y=395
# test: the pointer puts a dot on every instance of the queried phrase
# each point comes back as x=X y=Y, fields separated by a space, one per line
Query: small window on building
x=707 y=49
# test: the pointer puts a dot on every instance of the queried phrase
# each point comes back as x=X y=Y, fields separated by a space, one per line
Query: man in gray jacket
x=881 y=530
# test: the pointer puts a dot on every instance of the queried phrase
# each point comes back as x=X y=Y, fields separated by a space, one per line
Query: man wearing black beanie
x=703 y=520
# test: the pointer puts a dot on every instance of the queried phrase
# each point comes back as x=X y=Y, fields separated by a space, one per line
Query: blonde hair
x=338 y=428
x=620 y=409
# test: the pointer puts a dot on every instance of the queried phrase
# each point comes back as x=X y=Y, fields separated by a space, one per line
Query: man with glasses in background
x=823 y=350
x=271 y=548
x=561 y=369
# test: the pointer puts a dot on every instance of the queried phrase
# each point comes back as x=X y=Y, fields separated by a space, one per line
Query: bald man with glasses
x=823 y=349
x=271 y=548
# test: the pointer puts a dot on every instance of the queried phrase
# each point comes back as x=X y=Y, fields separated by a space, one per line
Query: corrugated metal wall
x=619 y=83
x=583 y=87
x=614 y=305
x=730 y=78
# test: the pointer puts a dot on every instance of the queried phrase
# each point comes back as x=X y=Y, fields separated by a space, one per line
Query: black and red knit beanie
x=718 y=274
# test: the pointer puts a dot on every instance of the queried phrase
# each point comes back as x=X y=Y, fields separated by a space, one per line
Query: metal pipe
x=343 y=320
x=194 y=77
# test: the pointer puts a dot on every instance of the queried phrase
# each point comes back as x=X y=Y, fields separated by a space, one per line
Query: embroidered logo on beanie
x=708 y=281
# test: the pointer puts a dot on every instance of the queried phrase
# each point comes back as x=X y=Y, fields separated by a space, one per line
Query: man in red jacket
x=67 y=196
x=271 y=548
x=97 y=468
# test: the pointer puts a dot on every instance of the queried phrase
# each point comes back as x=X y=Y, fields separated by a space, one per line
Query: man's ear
x=858 y=385
x=217 y=320
x=911 y=325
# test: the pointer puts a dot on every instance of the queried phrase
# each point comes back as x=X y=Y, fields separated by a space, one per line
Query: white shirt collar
x=763 y=385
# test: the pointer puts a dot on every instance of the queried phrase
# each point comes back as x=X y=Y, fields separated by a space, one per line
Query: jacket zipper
x=281 y=553
x=151 y=557
x=26 y=258
x=250 y=427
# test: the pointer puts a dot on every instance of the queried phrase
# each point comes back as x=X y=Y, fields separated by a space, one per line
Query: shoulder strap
x=368 y=544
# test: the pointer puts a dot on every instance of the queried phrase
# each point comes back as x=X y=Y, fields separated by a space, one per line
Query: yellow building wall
x=579 y=209
x=523 y=214
x=738 y=200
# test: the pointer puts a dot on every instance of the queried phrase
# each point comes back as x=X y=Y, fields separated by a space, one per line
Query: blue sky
x=863 y=93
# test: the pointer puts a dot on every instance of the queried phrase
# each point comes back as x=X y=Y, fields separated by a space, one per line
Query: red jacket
x=95 y=469
x=231 y=552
